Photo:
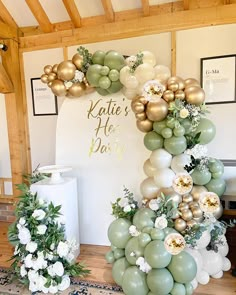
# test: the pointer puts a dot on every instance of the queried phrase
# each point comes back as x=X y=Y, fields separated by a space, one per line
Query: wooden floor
x=93 y=256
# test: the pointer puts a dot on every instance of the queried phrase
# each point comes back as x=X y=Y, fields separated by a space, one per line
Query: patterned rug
x=7 y=287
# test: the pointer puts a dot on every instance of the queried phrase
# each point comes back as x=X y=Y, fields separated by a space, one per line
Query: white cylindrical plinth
x=64 y=194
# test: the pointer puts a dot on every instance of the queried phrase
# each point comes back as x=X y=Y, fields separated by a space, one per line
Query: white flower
x=31 y=247
x=41 y=201
x=33 y=275
x=16 y=251
x=49 y=256
x=131 y=60
x=58 y=268
x=154 y=204
x=41 y=281
x=45 y=290
x=70 y=257
x=52 y=246
x=198 y=151
x=24 y=235
x=33 y=286
x=38 y=214
x=133 y=231
x=28 y=261
x=22 y=221
x=79 y=76
x=140 y=261
x=183 y=113
x=23 y=271
x=127 y=209
x=53 y=289
x=123 y=202
x=41 y=229
x=132 y=206
x=51 y=271
x=40 y=262
x=143 y=265
x=161 y=222
x=62 y=249
x=68 y=84
x=65 y=283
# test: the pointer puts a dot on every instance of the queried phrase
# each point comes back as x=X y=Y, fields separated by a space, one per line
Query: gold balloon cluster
x=61 y=78
x=147 y=111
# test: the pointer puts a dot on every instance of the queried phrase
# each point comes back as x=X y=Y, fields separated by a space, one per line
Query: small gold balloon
x=170 y=193
x=66 y=70
x=180 y=224
x=197 y=212
x=77 y=60
x=178 y=80
x=58 y=88
x=199 y=219
x=77 y=89
x=138 y=107
x=191 y=82
x=175 y=215
x=47 y=69
x=187 y=198
x=142 y=99
x=179 y=94
x=173 y=86
x=141 y=116
x=44 y=78
x=183 y=206
x=88 y=89
x=145 y=125
x=219 y=211
x=186 y=215
x=193 y=205
x=157 y=110
x=54 y=68
x=197 y=190
x=168 y=95
x=191 y=223
x=51 y=76
x=194 y=95
x=50 y=84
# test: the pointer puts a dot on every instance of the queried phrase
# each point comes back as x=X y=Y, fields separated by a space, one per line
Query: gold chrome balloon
x=191 y=82
x=54 y=68
x=197 y=190
x=50 y=84
x=186 y=214
x=178 y=80
x=77 y=89
x=175 y=215
x=168 y=95
x=199 y=219
x=197 y=212
x=191 y=222
x=173 y=86
x=141 y=116
x=183 y=206
x=77 y=60
x=157 y=110
x=187 y=198
x=66 y=70
x=194 y=95
x=145 y=125
x=44 y=78
x=219 y=211
x=47 y=69
x=180 y=224
x=179 y=94
x=58 y=88
x=142 y=99
x=51 y=76
x=137 y=107
x=193 y=205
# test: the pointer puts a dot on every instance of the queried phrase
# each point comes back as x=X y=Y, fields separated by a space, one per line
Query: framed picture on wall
x=43 y=100
x=218 y=78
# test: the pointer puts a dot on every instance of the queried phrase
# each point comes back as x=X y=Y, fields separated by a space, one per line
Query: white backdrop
x=97 y=136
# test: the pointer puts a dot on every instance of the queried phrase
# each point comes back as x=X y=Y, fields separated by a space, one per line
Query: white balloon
x=226 y=264
x=149 y=188
x=203 y=277
x=194 y=283
x=162 y=73
x=149 y=58
x=212 y=261
x=129 y=93
x=164 y=177
x=160 y=158
x=124 y=72
x=204 y=240
x=144 y=72
x=218 y=275
x=197 y=257
x=178 y=162
x=131 y=82
x=148 y=169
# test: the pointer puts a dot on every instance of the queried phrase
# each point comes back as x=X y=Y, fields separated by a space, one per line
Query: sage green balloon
x=166 y=132
x=133 y=246
x=217 y=186
x=178 y=289
x=169 y=230
x=93 y=75
x=179 y=131
x=157 y=234
x=156 y=254
x=114 y=75
x=175 y=145
x=104 y=82
x=217 y=175
x=144 y=239
x=153 y=141
x=144 y=217
x=183 y=267
x=216 y=166
x=118 y=253
x=200 y=177
x=110 y=257
x=115 y=87
x=113 y=247
x=207 y=129
x=134 y=282
x=160 y=281
x=118 y=232
x=147 y=229
x=98 y=57
x=189 y=289
x=114 y=60
x=186 y=123
x=170 y=123
x=118 y=270
x=101 y=91
x=159 y=126
x=104 y=71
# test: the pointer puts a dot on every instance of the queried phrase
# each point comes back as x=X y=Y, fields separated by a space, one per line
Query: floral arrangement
x=134 y=61
x=43 y=259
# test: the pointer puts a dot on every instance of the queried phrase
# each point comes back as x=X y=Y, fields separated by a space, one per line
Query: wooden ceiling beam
x=146 y=7
x=6 y=17
x=6 y=31
x=6 y=85
x=108 y=8
x=226 y=2
x=73 y=12
x=186 y=4
x=40 y=15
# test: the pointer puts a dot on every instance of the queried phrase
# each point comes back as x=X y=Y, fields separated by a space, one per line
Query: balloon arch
x=173 y=240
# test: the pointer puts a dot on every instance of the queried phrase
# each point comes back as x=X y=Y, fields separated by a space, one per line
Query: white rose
x=161 y=222
x=62 y=249
x=40 y=263
x=70 y=257
x=41 y=201
x=65 y=283
x=133 y=231
x=33 y=275
x=24 y=235
x=33 y=286
x=154 y=204
x=183 y=113
x=41 y=281
x=49 y=256
x=58 y=268
x=28 y=261
x=45 y=290
x=22 y=221
x=53 y=289
x=31 y=247
x=123 y=202
x=51 y=271
x=52 y=246
x=23 y=271
x=41 y=229
x=127 y=208
x=38 y=214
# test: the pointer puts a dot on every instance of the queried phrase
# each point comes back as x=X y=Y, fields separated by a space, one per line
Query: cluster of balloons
x=168 y=274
